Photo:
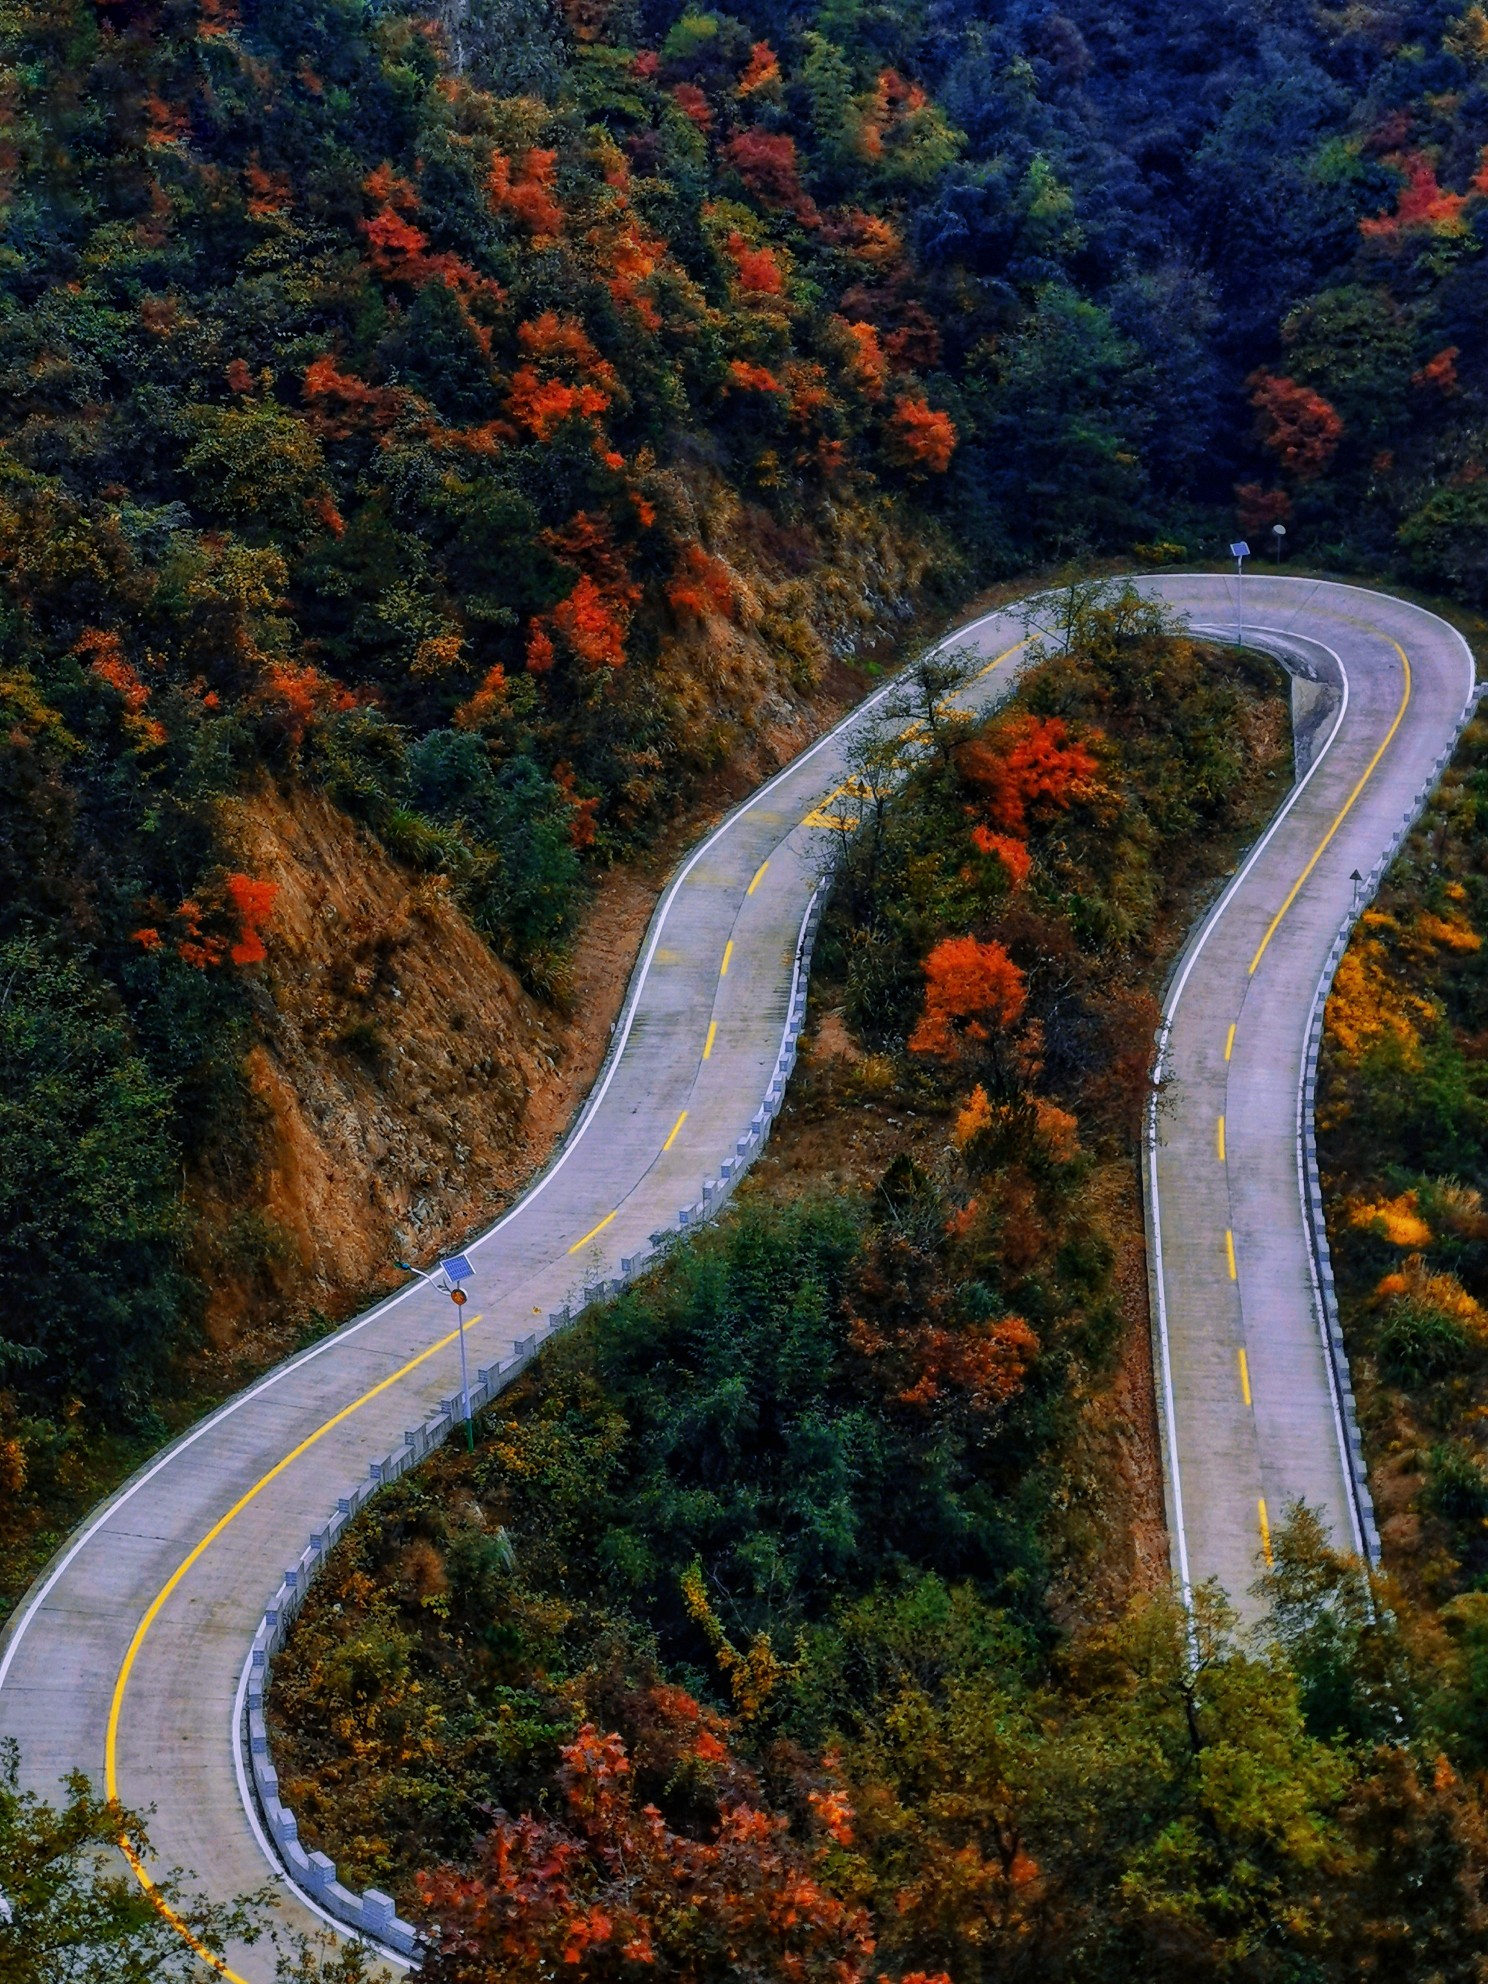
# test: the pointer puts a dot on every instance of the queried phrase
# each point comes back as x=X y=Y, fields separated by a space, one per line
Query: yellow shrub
x=1453 y=932
x=1419 y=1283
x=1398 y=1220
x=974 y=1117
x=1367 y=1004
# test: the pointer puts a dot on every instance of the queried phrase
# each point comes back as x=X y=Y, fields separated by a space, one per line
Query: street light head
x=1278 y=530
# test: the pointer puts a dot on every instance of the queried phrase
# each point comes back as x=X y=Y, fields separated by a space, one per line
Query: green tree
x=71 y=1912
x=91 y=1228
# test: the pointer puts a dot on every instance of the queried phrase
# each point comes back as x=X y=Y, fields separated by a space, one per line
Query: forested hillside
x=481 y=424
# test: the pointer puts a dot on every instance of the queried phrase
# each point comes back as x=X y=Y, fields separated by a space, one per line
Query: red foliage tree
x=581 y=824
x=1257 y=508
x=539 y=399
x=591 y=625
x=1422 y=204
x=693 y=104
x=542 y=405
x=970 y=987
x=1298 y=425
x=340 y=402
x=614 y=1892
x=252 y=902
x=702 y=585
x=766 y=162
x=294 y=694
x=1025 y=767
x=1439 y=374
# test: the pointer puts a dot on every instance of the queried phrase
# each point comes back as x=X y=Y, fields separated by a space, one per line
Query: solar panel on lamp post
x=1239 y=551
x=455 y=1271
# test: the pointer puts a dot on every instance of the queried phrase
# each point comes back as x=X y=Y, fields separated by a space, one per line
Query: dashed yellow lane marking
x=821 y=814
x=728 y=952
x=759 y=876
x=1244 y=1376
x=162 y=1598
x=1264 y=1522
x=708 y=1043
x=1219 y=1139
x=1230 y=1252
x=998 y=660
x=1343 y=811
x=593 y=1231
x=1230 y=1041
x=676 y=1127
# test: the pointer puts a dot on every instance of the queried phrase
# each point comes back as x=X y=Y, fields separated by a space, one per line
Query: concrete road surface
x=125 y=1659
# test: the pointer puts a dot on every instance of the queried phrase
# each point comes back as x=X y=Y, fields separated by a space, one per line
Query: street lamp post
x=1239 y=551
x=1278 y=532
x=455 y=1270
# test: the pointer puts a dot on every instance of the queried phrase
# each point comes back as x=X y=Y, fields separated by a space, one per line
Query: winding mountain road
x=127 y=1658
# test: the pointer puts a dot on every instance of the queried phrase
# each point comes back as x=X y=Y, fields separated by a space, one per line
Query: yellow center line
x=708 y=1043
x=592 y=1231
x=759 y=876
x=162 y=1598
x=1265 y=1526
x=998 y=660
x=1230 y=1252
x=1244 y=1376
x=1220 y=1140
x=1230 y=1041
x=675 y=1129
x=1343 y=811
x=728 y=952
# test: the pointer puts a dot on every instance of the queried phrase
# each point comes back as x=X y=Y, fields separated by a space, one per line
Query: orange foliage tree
x=970 y=988
x=868 y=365
x=524 y=189
x=757 y=269
x=1298 y=425
x=1012 y=853
x=921 y=437
x=539 y=399
x=749 y=378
